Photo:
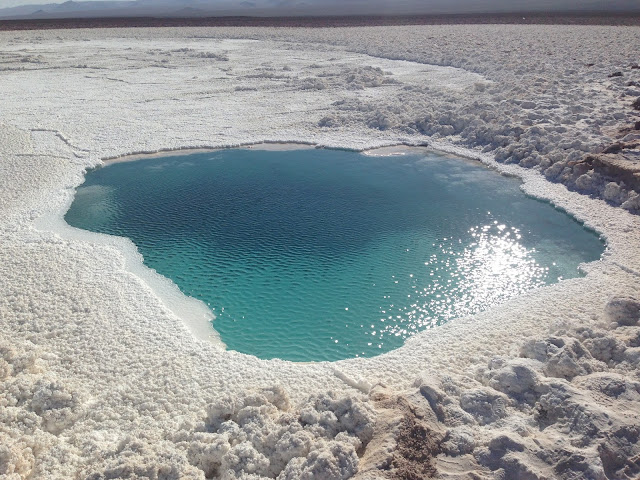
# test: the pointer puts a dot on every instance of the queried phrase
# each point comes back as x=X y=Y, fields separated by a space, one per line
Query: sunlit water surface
x=323 y=254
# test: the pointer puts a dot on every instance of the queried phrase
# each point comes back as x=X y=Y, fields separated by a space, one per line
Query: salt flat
x=103 y=377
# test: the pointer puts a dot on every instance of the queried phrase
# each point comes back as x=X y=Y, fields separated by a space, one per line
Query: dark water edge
x=629 y=18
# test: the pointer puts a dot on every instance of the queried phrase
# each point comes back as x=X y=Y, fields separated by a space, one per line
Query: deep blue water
x=324 y=254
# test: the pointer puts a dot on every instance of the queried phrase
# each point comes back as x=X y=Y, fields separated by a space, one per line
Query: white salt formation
x=105 y=369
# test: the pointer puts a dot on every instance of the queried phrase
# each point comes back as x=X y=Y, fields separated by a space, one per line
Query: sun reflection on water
x=494 y=267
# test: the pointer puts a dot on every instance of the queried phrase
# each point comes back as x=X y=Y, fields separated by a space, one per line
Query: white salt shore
x=107 y=371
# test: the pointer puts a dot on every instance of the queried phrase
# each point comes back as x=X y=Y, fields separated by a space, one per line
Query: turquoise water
x=324 y=254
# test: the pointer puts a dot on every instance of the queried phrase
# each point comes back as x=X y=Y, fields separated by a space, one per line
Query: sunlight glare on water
x=489 y=270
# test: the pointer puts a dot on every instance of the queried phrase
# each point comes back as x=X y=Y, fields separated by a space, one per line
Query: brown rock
x=613 y=148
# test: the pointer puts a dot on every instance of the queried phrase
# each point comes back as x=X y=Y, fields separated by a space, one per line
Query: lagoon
x=310 y=255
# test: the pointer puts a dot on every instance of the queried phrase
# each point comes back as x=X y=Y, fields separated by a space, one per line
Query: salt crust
x=102 y=379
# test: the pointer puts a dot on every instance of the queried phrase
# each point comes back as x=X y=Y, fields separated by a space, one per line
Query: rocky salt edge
x=101 y=378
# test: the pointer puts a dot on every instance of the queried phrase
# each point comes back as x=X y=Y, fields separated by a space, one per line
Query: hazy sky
x=390 y=5
x=15 y=3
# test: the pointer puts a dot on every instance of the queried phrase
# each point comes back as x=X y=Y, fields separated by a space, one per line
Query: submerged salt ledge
x=102 y=378
x=193 y=312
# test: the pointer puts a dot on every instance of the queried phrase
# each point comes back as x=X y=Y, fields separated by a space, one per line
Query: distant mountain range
x=207 y=8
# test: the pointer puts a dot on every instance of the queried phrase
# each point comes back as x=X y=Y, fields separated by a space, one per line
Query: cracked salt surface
x=101 y=377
